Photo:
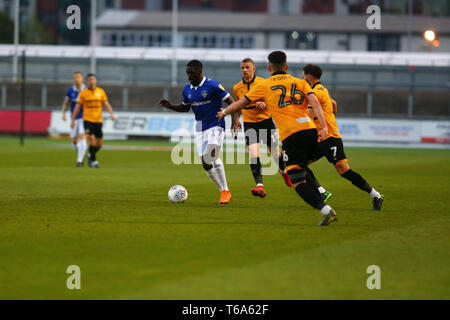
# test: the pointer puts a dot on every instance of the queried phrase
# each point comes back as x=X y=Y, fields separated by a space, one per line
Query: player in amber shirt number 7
x=332 y=147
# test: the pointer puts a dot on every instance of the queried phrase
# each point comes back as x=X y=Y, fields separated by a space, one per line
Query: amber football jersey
x=250 y=113
x=327 y=108
x=92 y=101
x=286 y=99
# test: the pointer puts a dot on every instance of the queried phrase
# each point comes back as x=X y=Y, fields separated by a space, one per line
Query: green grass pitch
x=118 y=226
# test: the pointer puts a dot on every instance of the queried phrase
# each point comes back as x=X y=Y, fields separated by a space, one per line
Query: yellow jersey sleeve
x=81 y=98
x=327 y=107
x=257 y=93
x=236 y=92
x=305 y=87
x=104 y=96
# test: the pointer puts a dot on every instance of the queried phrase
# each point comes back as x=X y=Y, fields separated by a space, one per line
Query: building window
x=284 y=6
x=109 y=4
x=301 y=40
x=206 y=4
x=106 y=39
x=164 y=39
x=383 y=42
x=217 y=41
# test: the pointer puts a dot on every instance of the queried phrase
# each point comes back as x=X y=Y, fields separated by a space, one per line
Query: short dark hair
x=277 y=58
x=91 y=75
x=195 y=64
x=249 y=60
x=313 y=70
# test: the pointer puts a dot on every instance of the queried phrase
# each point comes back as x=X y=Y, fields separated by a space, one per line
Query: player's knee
x=297 y=176
x=207 y=162
x=253 y=150
x=209 y=159
x=207 y=166
x=342 y=168
x=295 y=185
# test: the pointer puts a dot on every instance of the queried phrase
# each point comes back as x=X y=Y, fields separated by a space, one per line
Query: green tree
x=34 y=33
x=7 y=28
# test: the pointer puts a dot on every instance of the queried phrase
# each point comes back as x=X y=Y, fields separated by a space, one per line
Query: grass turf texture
x=130 y=242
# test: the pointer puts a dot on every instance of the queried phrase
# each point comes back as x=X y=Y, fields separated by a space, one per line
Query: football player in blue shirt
x=77 y=133
x=205 y=97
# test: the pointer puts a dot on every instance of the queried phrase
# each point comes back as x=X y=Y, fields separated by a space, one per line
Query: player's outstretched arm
x=235 y=124
x=75 y=114
x=178 y=108
x=110 y=110
x=317 y=109
x=232 y=108
x=311 y=113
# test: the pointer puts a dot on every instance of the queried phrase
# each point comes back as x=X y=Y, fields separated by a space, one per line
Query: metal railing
x=361 y=87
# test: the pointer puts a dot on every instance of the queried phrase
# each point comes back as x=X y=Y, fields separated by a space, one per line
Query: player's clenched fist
x=72 y=124
x=323 y=133
x=164 y=103
x=261 y=106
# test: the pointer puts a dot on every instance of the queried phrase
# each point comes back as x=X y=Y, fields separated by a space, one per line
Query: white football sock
x=213 y=176
x=75 y=146
x=321 y=189
x=81 y=149
x=326 y=210
x=375 y=194
x=220 y=171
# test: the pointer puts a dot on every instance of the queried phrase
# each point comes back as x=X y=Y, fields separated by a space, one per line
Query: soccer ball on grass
x=178 y=194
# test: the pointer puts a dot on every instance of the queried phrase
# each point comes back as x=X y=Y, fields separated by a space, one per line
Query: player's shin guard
x=310 y=196
x=357 y=180
x=255 y=166
x=211 y=173
x=220 y=172
x=311 y=180
x=81 y=150
x=93 y=153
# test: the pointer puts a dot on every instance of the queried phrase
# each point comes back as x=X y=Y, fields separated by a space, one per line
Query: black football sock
x=255 y=166
x=311 y=179
x=92 y=153
x=357 y=180
x=97 y=149
x=310 y=196
x=281 y=163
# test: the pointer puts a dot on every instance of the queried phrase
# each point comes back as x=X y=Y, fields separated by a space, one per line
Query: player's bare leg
x=343 y=168
x=215 y=170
